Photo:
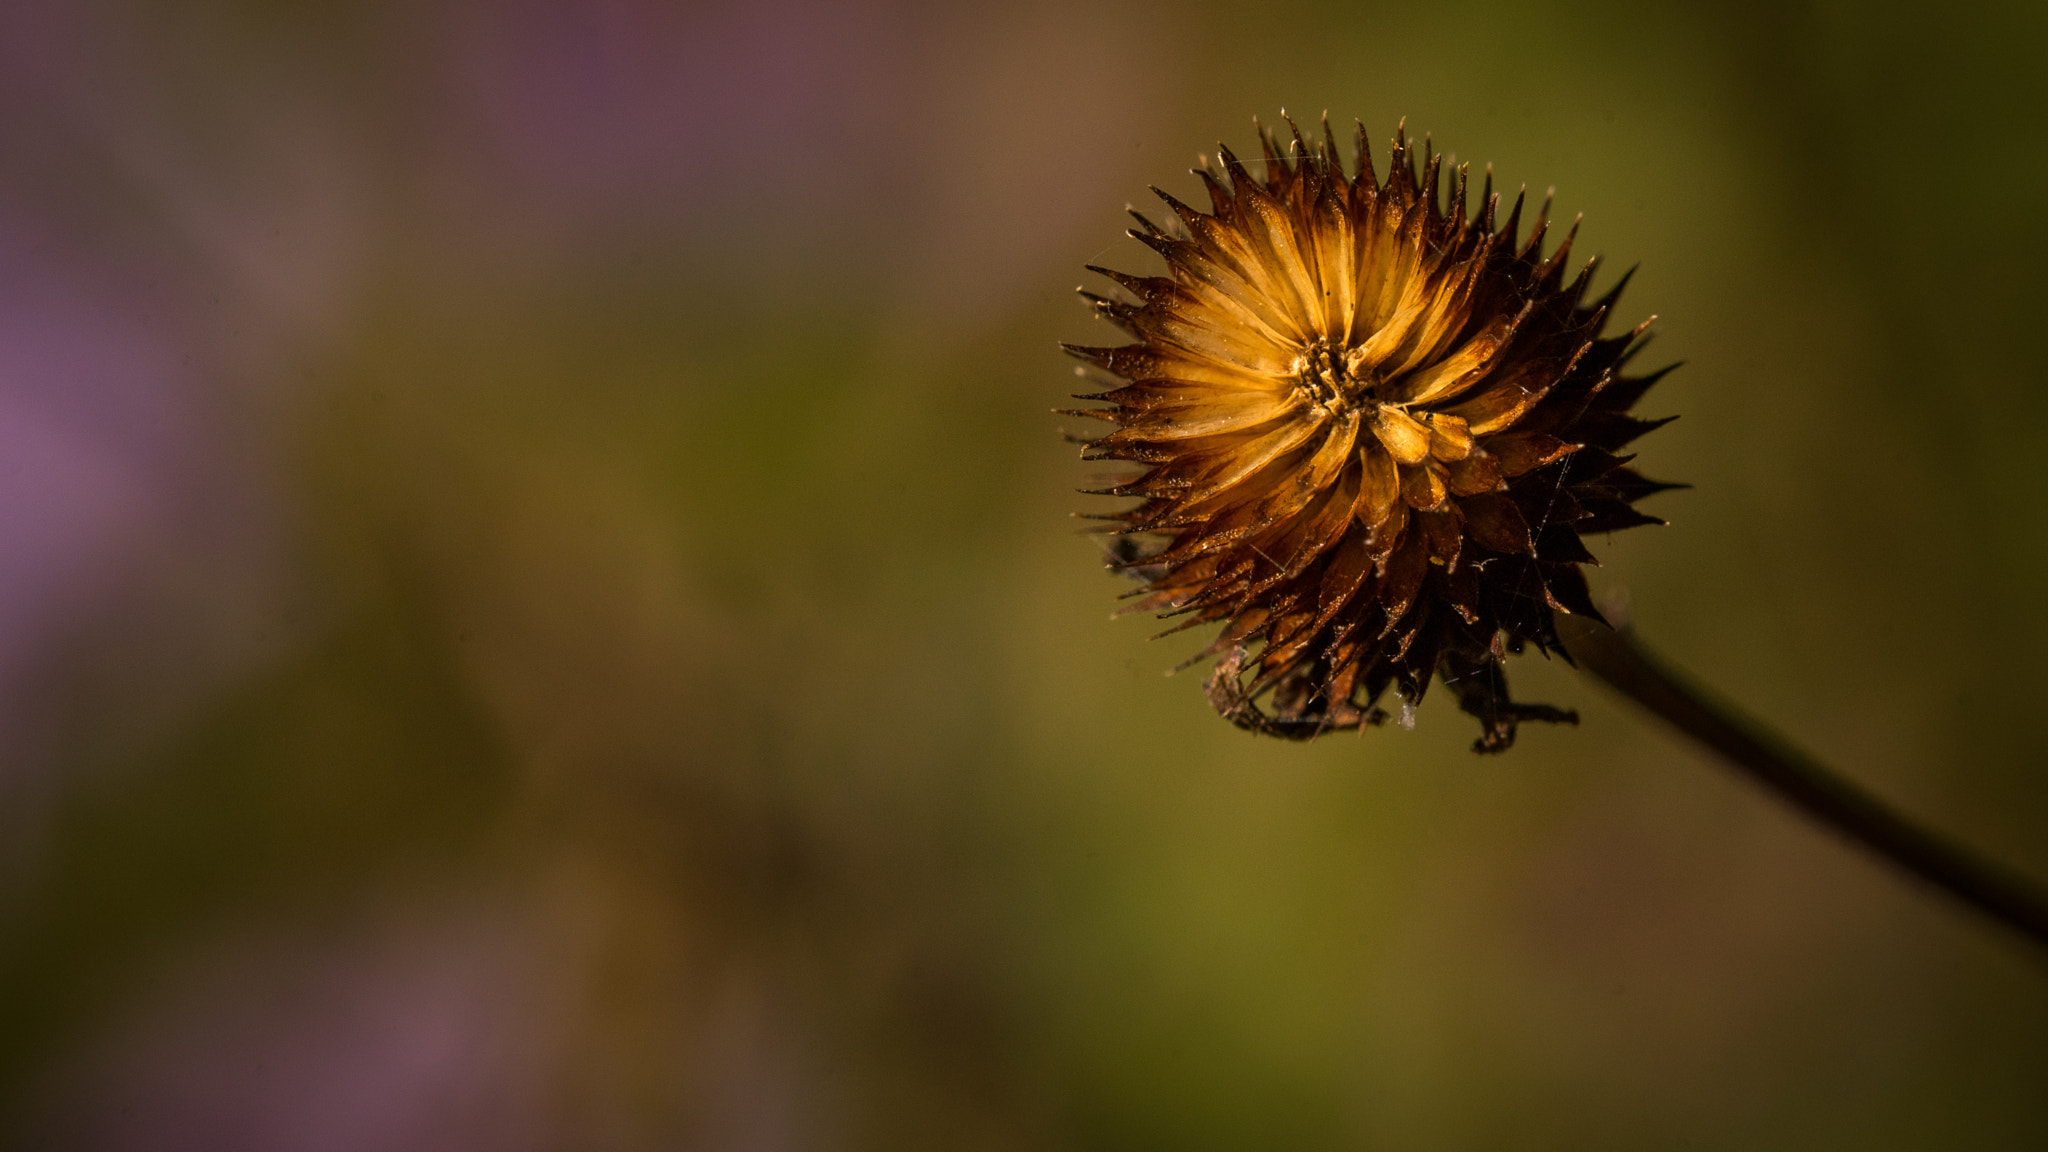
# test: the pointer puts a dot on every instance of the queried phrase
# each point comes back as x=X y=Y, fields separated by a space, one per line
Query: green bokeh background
x=682 y=622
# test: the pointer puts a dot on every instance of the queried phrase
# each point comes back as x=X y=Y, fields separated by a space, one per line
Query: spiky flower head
x=1373 y=428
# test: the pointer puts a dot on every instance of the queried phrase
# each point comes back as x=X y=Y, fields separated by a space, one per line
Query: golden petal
x=1439 y=302
x=1335 y=250
x=1292 y=262
x=1225 y=248
x=1334 y=454
x=1386 y=264
x=1317 y=472
x=1200 y=271
x=1385 y=342
x=1454 y=373
x=1449 y=437
x=1148 y=363
x=1406 y=438
x=1257 y=242
x=1231 y=301
x=1212 y=415
x=1224 y=342
x=1254 y=454
x=1499 y=405
x=1320 y=527
x=1382 y=481
x=1423 y=487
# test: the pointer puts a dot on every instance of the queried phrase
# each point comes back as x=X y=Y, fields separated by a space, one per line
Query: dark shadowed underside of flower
x=1373 y=429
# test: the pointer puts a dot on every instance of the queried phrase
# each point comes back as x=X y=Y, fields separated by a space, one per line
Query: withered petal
x=1401 y=578
x=1520 y=452
x=1444 y=533
x=1493 y=520
x=1473 y=475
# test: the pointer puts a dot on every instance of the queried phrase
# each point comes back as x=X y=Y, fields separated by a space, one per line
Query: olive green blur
x=665 y=601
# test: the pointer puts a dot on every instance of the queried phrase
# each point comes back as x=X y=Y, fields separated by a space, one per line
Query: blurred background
x=538 y=608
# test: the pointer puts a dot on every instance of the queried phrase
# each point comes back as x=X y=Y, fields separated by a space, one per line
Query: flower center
x=1321 y=376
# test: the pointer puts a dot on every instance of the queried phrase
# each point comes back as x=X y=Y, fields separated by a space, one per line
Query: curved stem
x=1616 y=657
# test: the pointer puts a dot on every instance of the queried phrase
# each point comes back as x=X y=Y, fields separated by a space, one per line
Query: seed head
x=1373 y=429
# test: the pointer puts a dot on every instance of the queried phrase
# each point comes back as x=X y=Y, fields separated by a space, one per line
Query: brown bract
x=1373 y=428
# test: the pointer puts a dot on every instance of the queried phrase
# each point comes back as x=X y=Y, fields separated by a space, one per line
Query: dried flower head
x=1373 y=430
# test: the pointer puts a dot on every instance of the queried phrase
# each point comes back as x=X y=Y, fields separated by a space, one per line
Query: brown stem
x=1806 y=784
